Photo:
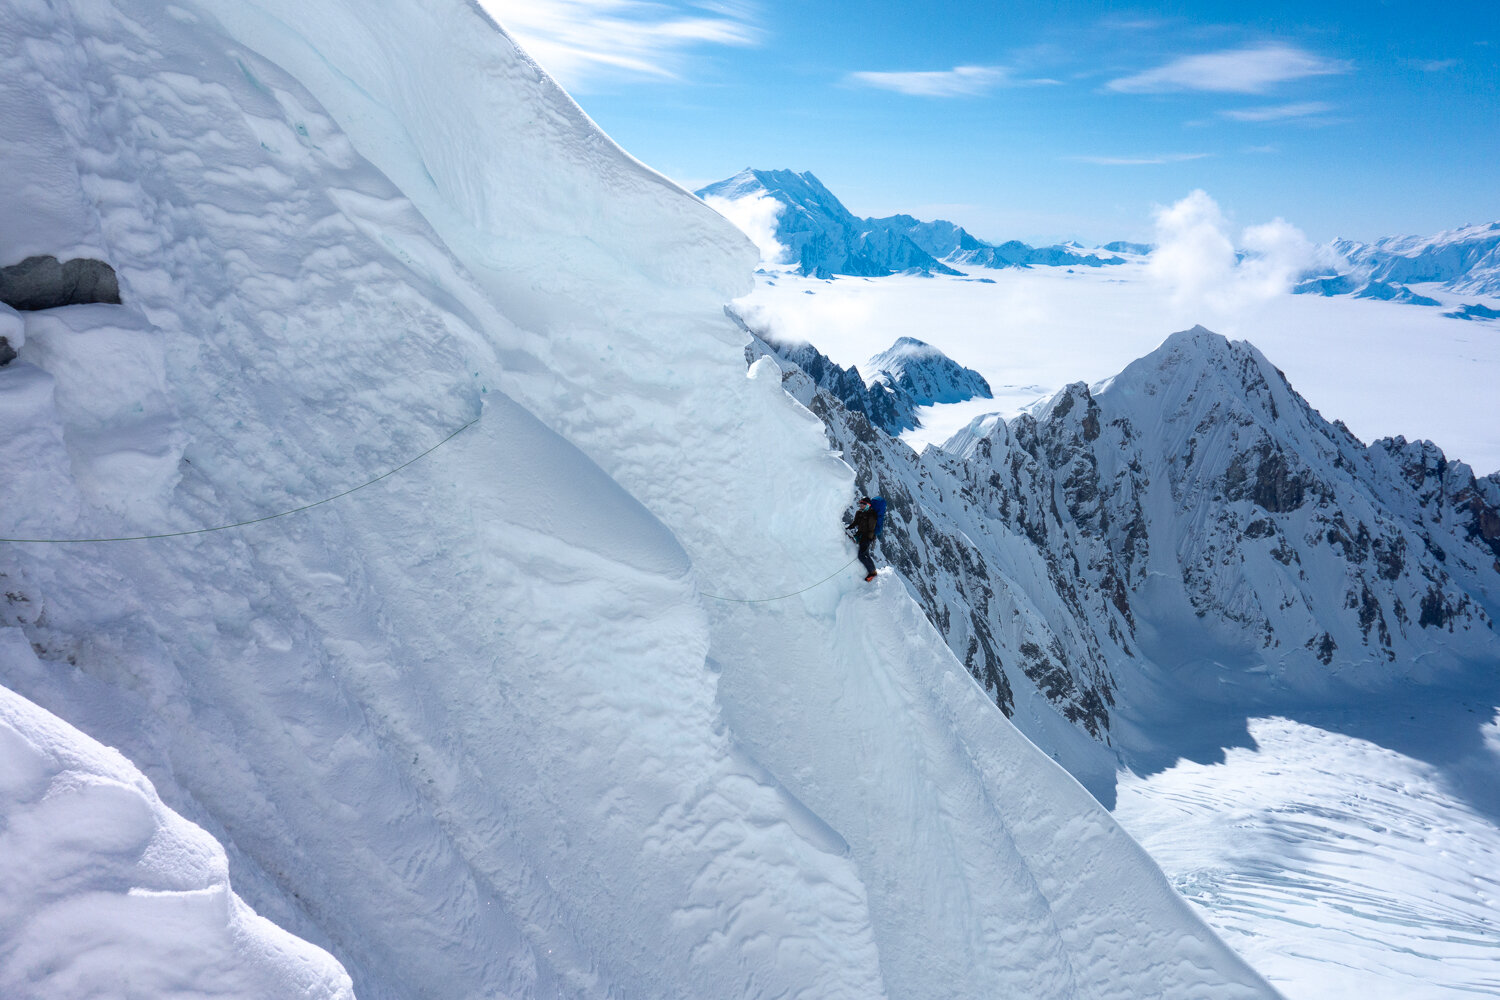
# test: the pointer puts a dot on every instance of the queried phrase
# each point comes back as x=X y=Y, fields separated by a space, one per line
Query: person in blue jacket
x=864 y=528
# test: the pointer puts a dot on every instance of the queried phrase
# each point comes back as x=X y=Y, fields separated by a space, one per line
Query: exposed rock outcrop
x=43 y=282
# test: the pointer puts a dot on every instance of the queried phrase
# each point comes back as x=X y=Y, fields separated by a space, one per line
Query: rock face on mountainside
x=44 y=282
x=1194 y=495
x=825 y=238
x=907 y=375
x=928 y=375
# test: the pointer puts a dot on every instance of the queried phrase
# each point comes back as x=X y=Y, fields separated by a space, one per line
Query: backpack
x=877 y=504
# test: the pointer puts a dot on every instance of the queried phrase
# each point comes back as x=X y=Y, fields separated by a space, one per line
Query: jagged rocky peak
x=927 y=374
x=1447 y=493
x=1215 y=399
x=884 y=405
x=1194 y=495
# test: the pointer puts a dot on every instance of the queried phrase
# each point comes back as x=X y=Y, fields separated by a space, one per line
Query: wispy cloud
x=1253 y=70
x=1435 y=65
x=580 y=42
x=960 y=81
x=1278 y=112
x=1138 y=161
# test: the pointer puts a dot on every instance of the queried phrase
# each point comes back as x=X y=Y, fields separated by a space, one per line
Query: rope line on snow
x=764 y=600
x=253 y=520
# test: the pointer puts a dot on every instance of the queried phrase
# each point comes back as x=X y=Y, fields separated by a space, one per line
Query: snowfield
x=478 y=729
x=1340 y=868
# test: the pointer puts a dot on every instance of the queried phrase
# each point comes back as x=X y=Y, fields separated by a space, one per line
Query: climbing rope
x=253 y=520
x=355 y=489
x=764 y=600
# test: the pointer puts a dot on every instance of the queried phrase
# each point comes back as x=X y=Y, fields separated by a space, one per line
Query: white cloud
x=756 y=217
x=1252 y=70
x=1197 y=263
x=961 y=81
x=1278 y=112
x=1138 y=161
x=579 y=42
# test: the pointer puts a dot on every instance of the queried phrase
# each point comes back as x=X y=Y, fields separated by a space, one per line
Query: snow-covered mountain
x=927 y=374
x=1464 y=261
x=413 y=527
x=819 y=233
x=1190 y=523
x=907 y=375
x=824 y=238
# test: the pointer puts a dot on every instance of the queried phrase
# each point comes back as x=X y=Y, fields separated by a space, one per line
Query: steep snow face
x=581 y=703
x=107 y=892
x=927 y=374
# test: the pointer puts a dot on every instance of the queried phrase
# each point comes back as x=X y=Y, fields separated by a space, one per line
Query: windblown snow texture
x=479 y=730
x=826 y=239
x=106 y=892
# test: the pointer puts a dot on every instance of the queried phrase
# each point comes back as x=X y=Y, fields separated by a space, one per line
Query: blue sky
x=1045 y=121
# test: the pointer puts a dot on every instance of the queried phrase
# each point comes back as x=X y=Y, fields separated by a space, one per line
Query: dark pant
x=866 y=558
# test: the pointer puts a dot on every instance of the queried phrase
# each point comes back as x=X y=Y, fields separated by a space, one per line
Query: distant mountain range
x=824 y=238
x=1466 y=261
x=908 y=374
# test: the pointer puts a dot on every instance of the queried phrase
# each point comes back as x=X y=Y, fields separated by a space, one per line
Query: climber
x=865 y=527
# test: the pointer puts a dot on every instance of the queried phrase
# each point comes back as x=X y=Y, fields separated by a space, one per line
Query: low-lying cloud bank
x=1197 y=263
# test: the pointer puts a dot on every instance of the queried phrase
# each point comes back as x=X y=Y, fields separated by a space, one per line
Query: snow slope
x=106 y=892
x=1342 y=867
x=500 y=723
